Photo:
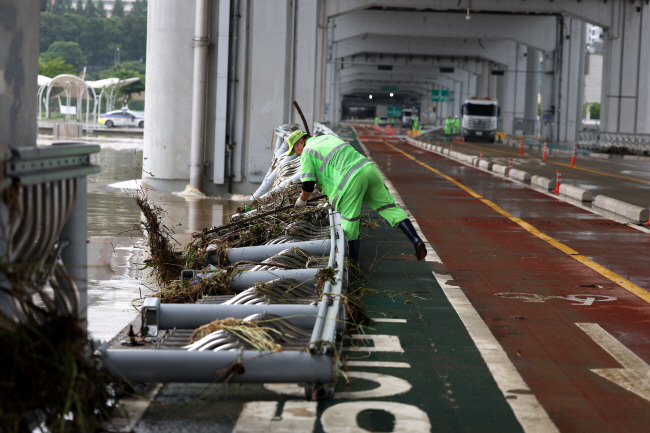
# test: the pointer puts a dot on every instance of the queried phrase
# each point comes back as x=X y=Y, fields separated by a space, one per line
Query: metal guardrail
x=44 y=189
x=601 y=140
x=311 y=364
x=308 y=357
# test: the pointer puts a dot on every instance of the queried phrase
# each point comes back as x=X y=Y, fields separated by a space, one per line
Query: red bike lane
x=561 y=304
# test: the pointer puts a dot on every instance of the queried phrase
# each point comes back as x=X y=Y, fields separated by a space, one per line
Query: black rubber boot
x=409 y=231
x=354 y=250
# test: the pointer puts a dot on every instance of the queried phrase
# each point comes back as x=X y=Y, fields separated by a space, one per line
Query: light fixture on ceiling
x=468 y=17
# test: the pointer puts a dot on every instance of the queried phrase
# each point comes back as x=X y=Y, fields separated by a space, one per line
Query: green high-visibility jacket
x=332 y=163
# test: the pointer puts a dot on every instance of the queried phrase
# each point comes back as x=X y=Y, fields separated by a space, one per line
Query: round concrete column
x=168 y=106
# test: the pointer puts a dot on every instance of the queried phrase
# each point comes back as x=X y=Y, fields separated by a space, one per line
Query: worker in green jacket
x=448 y=125
x=456 y=125
x=348 y=179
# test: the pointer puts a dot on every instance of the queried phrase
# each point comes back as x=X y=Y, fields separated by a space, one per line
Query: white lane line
x=387 y=320
x=378 y=364
x=527 y=409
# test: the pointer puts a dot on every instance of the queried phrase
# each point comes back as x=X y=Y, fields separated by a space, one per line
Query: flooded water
x=116 y=249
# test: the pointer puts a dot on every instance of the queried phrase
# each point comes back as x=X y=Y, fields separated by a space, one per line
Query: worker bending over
x=348 y=179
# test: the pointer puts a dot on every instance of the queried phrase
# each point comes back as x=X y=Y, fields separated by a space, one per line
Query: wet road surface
x=530 y=314
x=563 y=290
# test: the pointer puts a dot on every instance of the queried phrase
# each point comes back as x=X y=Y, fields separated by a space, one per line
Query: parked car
x=123 y=117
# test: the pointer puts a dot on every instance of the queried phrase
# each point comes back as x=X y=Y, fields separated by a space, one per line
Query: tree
x=70 y=52
x=118 y=9
x=79 y=8
x=100 y=8
x=139 y=8
x=51 y=67
x=61 y=6
x=91 y=10
x=127 y=70
x=594 y=110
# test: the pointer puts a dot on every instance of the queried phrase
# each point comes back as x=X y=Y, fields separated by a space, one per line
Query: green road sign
x=439 y=95
x=389 y=88
x=394 y=111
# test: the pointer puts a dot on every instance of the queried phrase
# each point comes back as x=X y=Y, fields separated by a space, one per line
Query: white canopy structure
x=108 y=88
x=74 y=86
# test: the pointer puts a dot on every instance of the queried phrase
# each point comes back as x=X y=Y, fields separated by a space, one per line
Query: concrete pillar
x=547 y=120
x=19 y=47
x=512 y=102
x=320 y=87
x=305 y=85
x=168 y=106
x=625 y=104
x=532 y=83
x=572 y=80
x=264 y=83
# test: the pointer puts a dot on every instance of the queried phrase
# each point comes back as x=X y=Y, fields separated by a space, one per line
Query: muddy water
x=116 y=249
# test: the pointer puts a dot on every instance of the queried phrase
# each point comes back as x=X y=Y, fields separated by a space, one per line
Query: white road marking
x=378 y=364
x=387 y=320
x=342 y=418
x=635 y=374
x=381 y=343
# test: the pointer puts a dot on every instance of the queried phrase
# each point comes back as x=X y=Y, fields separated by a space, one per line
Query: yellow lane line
x=612 y=276
x=559 y=163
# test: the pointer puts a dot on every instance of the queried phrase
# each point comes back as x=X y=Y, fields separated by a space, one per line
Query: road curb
x=619 y=208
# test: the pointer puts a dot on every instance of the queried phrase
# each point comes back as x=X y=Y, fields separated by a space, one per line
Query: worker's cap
x=293 y=139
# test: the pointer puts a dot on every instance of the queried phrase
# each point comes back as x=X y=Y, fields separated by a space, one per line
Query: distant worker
x=456 y=125
x=348 y=179
x=448 y=126
x=376 y=121
x=415 y=123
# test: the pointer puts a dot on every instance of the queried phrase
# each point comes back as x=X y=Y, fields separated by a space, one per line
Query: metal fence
x=601 y=140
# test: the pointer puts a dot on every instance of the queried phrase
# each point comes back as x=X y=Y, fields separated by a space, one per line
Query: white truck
x=479 y=119
x=407 y=117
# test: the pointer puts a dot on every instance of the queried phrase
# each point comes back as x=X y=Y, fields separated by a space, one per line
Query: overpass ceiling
x=492 y=50
x=395 y=32
x=536 y=31
x=597 y=12
x=370 y=41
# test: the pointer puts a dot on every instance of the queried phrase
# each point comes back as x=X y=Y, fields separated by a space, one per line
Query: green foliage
x=51 y=67
x=127 y=70
x=98 y=37
x=91 y=10
x=118 y=9
x=61 y=6
x=70 y=52
x=139 y=8
x=100 y=9
x=594 y=110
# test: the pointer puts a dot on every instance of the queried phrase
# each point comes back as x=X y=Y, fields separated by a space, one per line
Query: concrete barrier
x=543 y=182
x=500 y=169
x=635 y=213
x=520 y=175
x=575 y=193
x=485 y=164
x=600 y=155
